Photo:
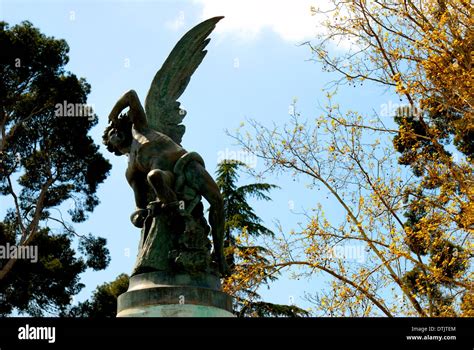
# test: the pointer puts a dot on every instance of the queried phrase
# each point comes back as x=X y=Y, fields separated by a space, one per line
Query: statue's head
x=118 y=135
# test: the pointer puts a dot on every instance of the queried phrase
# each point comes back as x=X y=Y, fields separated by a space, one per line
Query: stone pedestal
x=161 y=294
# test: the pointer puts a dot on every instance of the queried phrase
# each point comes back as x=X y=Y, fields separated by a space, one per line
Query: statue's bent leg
x=203 y=183
x=162 y=181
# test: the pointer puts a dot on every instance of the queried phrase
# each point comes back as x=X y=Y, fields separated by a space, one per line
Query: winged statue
x=168 y=182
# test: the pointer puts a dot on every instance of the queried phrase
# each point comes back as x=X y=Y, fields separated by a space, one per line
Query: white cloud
x=176 y=23
x=291 y=20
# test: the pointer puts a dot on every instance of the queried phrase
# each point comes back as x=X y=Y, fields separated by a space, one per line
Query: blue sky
x=254 y=69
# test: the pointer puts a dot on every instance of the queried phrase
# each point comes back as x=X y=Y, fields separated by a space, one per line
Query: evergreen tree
x=46 y=158
x=239 y=216
x=104 y=300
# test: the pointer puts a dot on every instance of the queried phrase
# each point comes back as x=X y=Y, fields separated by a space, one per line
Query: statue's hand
x=138 y=217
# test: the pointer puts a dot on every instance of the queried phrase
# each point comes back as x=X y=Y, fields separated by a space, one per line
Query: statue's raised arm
x=136 y=114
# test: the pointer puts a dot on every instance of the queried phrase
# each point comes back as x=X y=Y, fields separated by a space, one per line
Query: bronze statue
x=168 y=181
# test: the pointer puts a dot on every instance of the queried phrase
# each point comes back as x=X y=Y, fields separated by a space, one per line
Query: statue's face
x=118 y=136
x=116 y=139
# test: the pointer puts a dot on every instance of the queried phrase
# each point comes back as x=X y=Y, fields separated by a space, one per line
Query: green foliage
x=53 y=159
x=103 y=302
x=38 y=142
x=417 y=150
x=44 y=286
x=262 y=309
x=239 y=215
x=238 y=212
x=415 y=144
x=97 y=254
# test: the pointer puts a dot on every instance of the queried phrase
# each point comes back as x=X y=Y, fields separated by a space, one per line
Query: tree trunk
x=7 y=268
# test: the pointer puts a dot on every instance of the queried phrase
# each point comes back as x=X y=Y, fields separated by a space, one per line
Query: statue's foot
x=154 y=207
x=158 y=207
x=138 y=217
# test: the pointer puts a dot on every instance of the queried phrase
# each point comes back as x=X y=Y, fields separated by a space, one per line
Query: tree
x=411 y=231
x=364 y=250
x=241 y=221
x=46 y=159
x=238 y=212
x=424 y=50
x=103 y=302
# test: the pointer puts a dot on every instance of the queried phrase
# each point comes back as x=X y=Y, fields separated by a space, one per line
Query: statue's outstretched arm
x=137 y=113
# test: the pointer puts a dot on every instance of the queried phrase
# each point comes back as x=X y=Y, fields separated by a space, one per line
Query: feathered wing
x=161 y=105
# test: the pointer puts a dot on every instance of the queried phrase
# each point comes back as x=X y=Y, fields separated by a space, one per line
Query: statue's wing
x=161 y=105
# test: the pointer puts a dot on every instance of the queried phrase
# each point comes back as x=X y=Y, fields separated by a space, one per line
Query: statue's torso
x=153 y=150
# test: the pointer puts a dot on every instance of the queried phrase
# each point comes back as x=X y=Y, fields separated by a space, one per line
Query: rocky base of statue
x=175 y=242
x=161 y=294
